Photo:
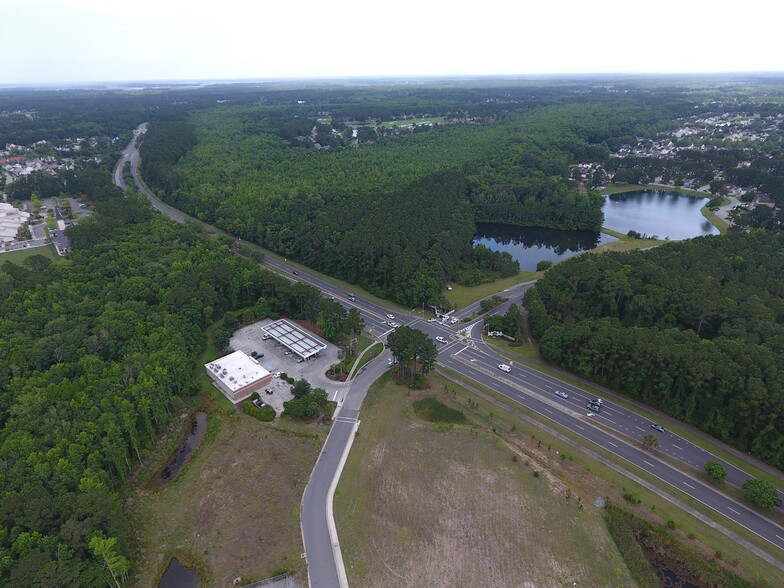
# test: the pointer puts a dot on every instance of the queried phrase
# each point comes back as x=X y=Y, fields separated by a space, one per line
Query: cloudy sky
x=57 y=41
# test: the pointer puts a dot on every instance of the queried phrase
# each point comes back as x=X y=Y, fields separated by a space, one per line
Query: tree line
x=395 y=214
x=695 y=329
x=96 y=352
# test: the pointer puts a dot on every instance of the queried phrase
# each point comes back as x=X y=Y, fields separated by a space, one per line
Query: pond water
x=657 y=212
x=197 y=429
x=179 y=576
x=670 y=578
x=529 y=245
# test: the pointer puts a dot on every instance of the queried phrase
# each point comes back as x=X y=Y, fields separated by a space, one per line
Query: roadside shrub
x=544 y=264
x=432 y=410
x=255 y=396
x=266 y=414
x=329 y=410
x=631 y=498
x=671 y=524
x=284 y=376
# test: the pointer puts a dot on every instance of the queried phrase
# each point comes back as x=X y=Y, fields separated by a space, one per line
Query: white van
x=504 y=368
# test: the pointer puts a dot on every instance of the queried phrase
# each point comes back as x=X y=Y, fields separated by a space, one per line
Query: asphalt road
x=316 y=501
x=615 y=428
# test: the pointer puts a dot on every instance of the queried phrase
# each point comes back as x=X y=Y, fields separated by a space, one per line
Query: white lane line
x=676 y=447
x=579 y=427
x=649 y=463
x=733 y=510
x=548 y=410
x=639 y=428
x=459 y=352
x=611 y=421
x=689 y=485
x=613 y=444
x=780 y=537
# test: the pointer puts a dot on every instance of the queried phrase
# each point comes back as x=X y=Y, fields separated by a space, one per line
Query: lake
x=657 y=212
x=529 y=245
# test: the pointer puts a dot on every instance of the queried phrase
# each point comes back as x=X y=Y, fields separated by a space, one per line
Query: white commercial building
x=10 y=221
x=237 y=375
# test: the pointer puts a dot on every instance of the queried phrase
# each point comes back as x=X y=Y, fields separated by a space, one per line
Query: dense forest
x=289 y=174
x=693 y=328
x=95 y=351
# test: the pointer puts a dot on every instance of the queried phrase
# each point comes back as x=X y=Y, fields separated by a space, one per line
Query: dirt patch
x=233 y=511
x=435 y=505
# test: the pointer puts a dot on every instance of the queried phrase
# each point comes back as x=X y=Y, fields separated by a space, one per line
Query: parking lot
x=275 y=359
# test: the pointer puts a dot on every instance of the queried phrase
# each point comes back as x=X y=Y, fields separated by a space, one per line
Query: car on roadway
x=657 y=427
x=394 y=325
x=295 y=272
x=391 y=316
x=453 y=321
x=594 y=406
x=504 y=368
x=441 y=340
x=562 y=394
x=268 y=390
x=432 y=320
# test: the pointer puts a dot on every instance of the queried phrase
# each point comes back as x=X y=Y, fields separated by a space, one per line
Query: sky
x=70 y=41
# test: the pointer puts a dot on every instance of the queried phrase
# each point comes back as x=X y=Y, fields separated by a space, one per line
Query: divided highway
x=614 y=428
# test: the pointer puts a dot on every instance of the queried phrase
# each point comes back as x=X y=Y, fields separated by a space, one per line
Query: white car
x=276 y=375
x=441 y=340
x=394 y=325
x=391 y=316
x=432 y=320
x=504 y=368
x=561 y=393
x=453 y=321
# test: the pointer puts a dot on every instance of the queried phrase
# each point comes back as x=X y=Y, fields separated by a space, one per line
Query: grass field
x=611 y=484
x=18 y=257
x=447 y=505
x=462 y=296
x=233 y=511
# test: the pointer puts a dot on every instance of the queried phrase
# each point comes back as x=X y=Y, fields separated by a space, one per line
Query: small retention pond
x=179 y=576
x=174 y=463
x=530 y=245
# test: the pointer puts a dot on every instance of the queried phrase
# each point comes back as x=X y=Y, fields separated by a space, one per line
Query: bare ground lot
x=233 y=511
x=425 y=505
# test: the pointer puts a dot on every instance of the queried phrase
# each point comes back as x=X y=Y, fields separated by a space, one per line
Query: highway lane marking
x=689 y=485
x=733 y=510
x=780 y=537
x=639 y=428
x=676 y=447
x=459 y=352
x=649 y=463
x=613 y=444
x=547 y=410
x=611 y=421
x=579 y=427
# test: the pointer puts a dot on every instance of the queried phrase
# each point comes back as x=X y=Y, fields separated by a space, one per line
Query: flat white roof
x=236 y=370
x=298 y=340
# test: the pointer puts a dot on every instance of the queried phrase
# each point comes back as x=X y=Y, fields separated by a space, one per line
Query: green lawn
x=18 y=257
x=620 y=188
x=462 y=296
